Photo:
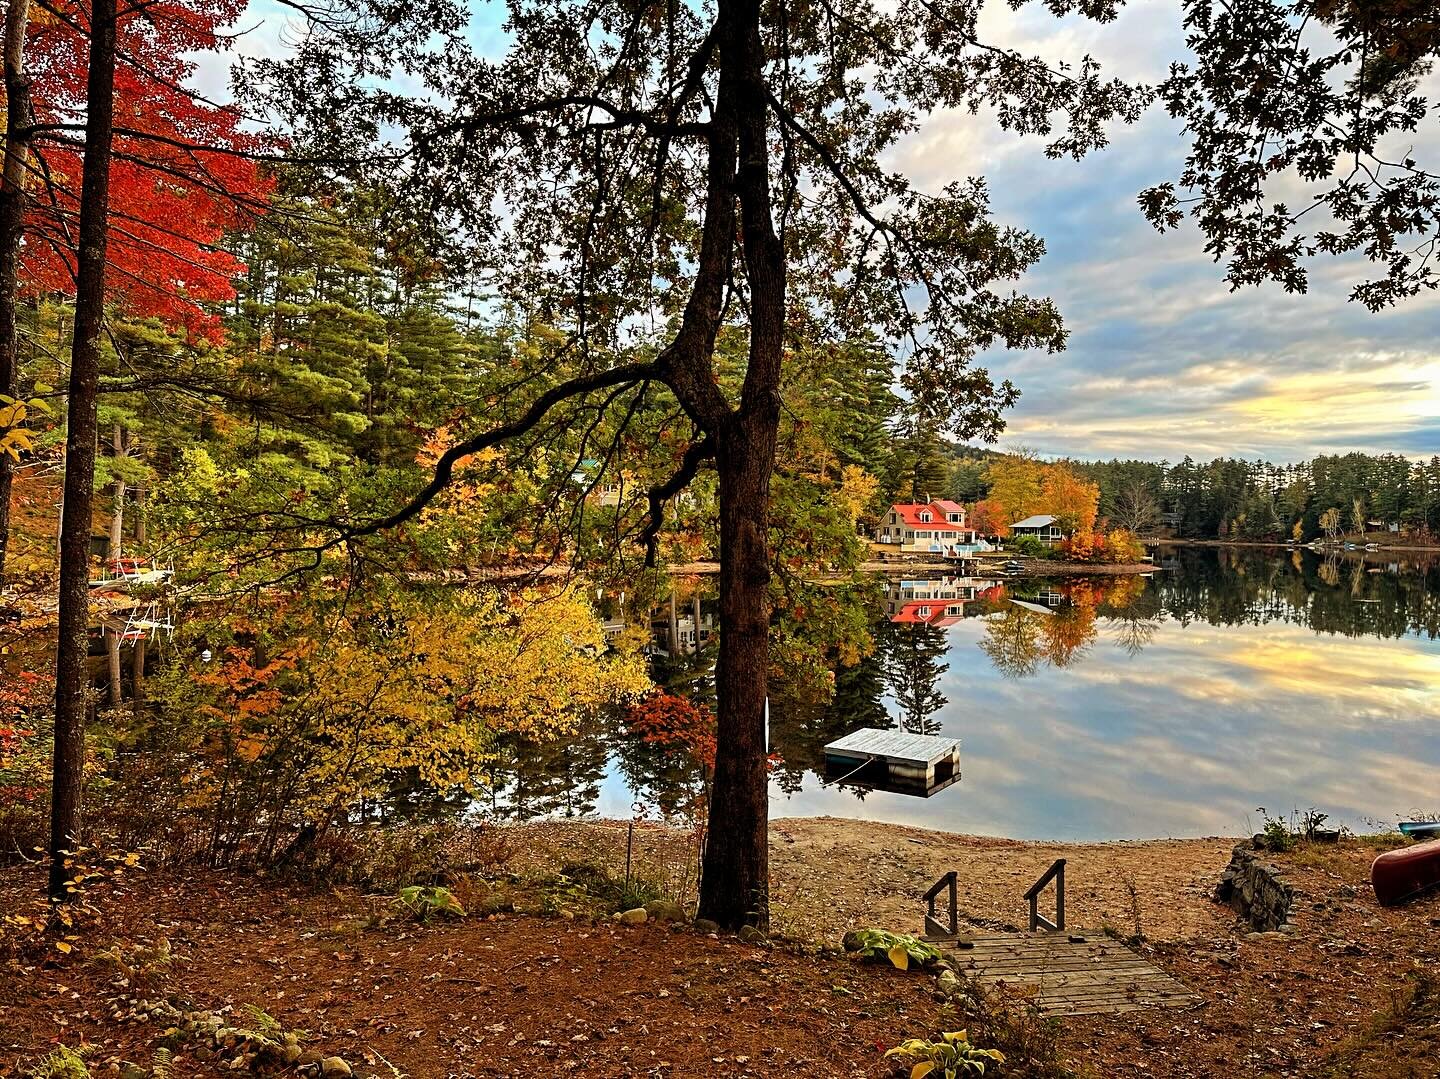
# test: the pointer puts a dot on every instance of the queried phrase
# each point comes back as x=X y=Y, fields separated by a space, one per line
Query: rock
x=664 y=910
x=947 y=983
x=750 y=935
x=334 y=1066
x=633 y=917
x=705 y=925
x=1076 y=938
x=851 y=941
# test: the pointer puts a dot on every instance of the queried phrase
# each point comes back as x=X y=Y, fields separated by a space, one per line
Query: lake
x=1108 y=708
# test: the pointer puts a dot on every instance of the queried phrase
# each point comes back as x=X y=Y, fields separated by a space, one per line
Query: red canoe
x=1399 y=875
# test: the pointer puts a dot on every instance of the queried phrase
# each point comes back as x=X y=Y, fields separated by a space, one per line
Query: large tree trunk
x=735 y=889
x=736 y=880
x=12 y=223
x=71 y=688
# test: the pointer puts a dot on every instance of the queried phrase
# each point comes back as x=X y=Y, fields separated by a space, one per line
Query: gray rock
x=705 y=925
x=664 y=910
x=632 y=917
x=851 y=941
x=947 y=983
x=335 y=1066
x=750 y=935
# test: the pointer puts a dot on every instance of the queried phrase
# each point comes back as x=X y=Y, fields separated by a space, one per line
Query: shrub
x=900 y=949
x=951 y=1056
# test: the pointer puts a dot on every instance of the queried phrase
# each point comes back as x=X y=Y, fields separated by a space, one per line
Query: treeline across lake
x=1331 y=496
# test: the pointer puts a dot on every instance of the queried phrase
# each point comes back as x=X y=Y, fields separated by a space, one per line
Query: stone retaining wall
x=1256 y=890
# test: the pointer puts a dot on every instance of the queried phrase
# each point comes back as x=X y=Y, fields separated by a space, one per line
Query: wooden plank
x=1059 y=977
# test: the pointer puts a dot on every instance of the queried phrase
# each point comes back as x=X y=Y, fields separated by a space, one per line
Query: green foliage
x=899 y=949
x=62 y=1063
x=1028 y=545
x=426 y=901
x=951 y=1056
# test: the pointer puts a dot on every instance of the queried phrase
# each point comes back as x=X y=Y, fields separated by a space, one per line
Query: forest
x=363 y=398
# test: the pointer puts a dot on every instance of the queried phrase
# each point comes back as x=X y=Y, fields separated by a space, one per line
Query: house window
x=925 y=516
x=922 y=612
x=957 y=518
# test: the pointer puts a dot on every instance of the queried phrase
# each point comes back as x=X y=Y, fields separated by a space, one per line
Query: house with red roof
x=936 y=527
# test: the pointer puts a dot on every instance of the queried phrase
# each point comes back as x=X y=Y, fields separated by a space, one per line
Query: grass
x=1402 y=1040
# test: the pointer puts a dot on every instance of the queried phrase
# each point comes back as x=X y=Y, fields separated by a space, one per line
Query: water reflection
x=1099 y=708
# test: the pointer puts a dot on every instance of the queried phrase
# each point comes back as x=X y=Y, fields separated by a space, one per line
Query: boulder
x=664 y=910
x=335 y=1066
x=705 y=925
x=638 y=916
x=750 y=935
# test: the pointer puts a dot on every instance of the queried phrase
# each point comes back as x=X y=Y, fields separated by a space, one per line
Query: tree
x=71 y=677
x=1135 y=509
x=12 y=222
x=1015 y=481
x=988 y=518
x=1328 y=91
x=674 y=161
x=1073 y=502
x=1330 y=523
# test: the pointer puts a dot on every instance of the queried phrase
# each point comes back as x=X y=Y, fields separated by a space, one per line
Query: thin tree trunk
x=71 y=651
x=137 y=673
x=117 y=494
x=12 y=223
x=112 y=655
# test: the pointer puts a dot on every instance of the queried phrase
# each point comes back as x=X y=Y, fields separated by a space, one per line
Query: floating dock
x=894 y=761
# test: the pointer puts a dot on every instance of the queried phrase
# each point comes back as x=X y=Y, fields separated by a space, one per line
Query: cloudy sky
x=1163 y=359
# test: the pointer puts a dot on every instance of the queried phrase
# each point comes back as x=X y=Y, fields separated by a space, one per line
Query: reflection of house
x=937 y=527
x=1041 y=526
x=937 y=602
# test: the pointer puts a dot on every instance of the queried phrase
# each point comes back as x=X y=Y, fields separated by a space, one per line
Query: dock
x=894 y=760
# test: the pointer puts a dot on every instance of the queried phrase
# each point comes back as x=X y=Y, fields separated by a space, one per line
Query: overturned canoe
x=1399 y=875
x=1420 y=829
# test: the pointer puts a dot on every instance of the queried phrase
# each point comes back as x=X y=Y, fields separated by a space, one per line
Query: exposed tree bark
x=12 y=223
x=71 y=688
x=137 y=673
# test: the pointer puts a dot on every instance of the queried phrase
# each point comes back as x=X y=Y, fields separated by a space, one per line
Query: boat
x=1424 y=829
x=1399 y=875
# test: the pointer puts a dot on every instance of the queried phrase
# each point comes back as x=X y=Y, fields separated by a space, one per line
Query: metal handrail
x=1056 y=873
x=934 y=927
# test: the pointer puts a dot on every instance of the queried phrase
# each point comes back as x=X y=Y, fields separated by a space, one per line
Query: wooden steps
x=1059 y=975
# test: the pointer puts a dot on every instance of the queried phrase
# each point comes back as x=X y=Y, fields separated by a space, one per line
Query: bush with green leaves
x=900 y=949
x=426 y=901
x=62 y=1063
x=951 y=1056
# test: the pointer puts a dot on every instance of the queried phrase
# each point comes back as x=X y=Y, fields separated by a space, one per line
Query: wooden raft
x=1061 y=977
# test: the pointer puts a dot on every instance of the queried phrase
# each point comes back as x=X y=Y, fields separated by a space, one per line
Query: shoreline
x=1281 y=546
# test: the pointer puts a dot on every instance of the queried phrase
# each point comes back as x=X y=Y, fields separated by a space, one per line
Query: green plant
x=1275 y=832
x=951 y=1056
x=62 y=1063
x=901 y=949
x=426 y=901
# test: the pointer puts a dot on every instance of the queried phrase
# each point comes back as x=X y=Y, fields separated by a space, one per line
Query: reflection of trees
x=1012 y=641
x=1257 y=587
x=665 y=776
x=556 y=777
x=913 y=657
x=800 y=727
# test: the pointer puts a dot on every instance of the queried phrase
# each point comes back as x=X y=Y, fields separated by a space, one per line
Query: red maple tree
x=184 y=171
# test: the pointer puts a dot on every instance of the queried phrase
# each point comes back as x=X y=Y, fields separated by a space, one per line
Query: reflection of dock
x=894 y=761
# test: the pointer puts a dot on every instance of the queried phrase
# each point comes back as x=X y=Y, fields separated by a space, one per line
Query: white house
x=1042 y=526
x=936 y=527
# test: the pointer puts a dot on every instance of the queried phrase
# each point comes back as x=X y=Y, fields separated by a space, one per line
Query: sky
x=1163 y=359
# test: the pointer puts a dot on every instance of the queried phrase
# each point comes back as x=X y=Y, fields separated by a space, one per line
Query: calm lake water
x=1111 y=708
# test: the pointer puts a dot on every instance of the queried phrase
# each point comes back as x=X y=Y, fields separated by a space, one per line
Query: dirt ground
x=1352 y=992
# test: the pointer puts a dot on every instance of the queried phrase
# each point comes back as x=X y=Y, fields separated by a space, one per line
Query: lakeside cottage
x=937 y=527
x=1042 y=526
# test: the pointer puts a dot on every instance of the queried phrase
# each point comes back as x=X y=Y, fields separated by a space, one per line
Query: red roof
x=909 y=512
x=909 y=613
